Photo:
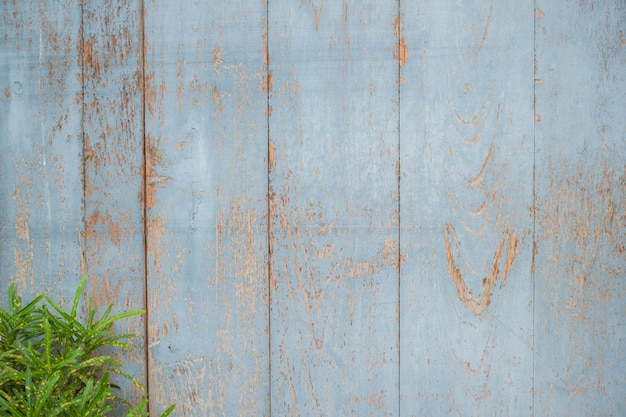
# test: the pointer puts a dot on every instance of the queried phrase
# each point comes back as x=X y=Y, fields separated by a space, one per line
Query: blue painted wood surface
x=113 y=159
x=580 y=258
x=41 y=185
x=329 y=208
x=206 y=138
x=71 y=155
x=466 y=105
x=334 y=208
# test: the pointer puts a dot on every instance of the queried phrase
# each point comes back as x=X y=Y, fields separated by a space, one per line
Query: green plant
x=51 y=364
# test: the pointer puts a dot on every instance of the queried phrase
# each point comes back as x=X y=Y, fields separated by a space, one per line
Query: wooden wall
x=385 y=208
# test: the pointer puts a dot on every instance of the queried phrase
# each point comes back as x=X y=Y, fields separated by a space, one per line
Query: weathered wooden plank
x=111 y=52
x=581 y=208
x=466 y=193
x=334 y=248
x=207 y=210
x=40 y=147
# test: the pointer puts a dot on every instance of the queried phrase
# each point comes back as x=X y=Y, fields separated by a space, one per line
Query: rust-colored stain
x=156 y=232
x=478 y=304
x=217 y=60
x=92 y=159
x=582 y=235
x=474 y=50
x=478 y=196
x=111 y=230
x=539 y=14
x=307 y=286
x=180 y=86
x=199 y=90
x=23 y=254
x=271 y=218
x=581 y=210
x=400 y=49
x=271 y=154
x=217 y=100
x=150 y=93
x=7 y=93
x=103 y=292
x=91 y=58
x=476 y=119
x=264 y=44
x=317 y=11
x=22 y=228
x=152 y=159
x=23 y=261
x=479 y=178
x=267 y=82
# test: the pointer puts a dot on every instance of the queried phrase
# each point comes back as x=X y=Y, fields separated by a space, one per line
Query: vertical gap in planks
x=82 y=239
x=534 y=193
x=270 y=213
x=398 y=171
x=144 y=170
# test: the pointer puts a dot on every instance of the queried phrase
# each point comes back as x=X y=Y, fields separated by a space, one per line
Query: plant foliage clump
x=52 y=364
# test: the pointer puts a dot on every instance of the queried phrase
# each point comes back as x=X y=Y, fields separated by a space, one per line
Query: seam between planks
x=398 y=172
x=83 y=244
x=269 y=209
x=144 y=205
x=534 y=202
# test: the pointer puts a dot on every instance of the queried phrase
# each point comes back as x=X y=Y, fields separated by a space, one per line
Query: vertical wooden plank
x=466 y=193
x=581 y=200
x=334 y=247
x=113 y=155
x=40 y=147
x=207 y=209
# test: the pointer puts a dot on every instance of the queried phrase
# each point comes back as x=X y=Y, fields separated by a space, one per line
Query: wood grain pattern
x=334 y=248
x=40 y=148
x=391 y=207
x=113 y=156
x=581 y=202
x=466 y=192
x=207 y=210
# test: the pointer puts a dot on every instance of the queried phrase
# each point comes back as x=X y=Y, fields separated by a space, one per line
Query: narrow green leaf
x=117 y=317
x=107 y=312
x=169 y=410
x=101 y=394
x=29 y=308
x=44 y=394
x=130 y=378
x=47 y=341
x=91 y=316
x=29 y=389
x=70 y=321
x=77 y=295
x=140 y=410
x=15 y=302
x=50 y=362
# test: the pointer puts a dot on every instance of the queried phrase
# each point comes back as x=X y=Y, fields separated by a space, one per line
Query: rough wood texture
x=111 y=55
x=334 y=248
x=207 y=211
x=466 y=191
x=580 y=257
x=391 y=207
x=41 y=184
